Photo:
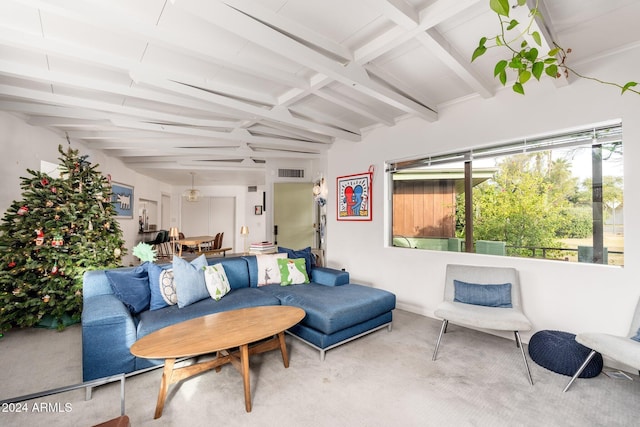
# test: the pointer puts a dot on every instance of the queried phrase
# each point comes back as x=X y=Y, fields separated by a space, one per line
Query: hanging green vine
x=526 y=60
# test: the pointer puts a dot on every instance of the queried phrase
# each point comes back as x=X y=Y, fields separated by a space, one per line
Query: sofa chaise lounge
x=336 y=312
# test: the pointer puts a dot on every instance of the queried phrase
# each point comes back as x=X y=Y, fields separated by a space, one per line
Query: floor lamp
x=244 y=231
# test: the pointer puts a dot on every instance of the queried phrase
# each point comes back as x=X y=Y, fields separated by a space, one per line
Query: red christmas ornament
x=54 y=190
x=12 y=264
x=39 y=237
x=57 y=241
x=44 y=181
x=23 y=210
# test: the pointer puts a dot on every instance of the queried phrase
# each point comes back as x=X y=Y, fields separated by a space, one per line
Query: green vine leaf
x=536 y=69
x=628 y=85
x=552 y=70
x=517 y=87
x=480 y=50
x=501 y=7
x=536 y=37
x=499 y=68
x=526 y=61
x=532 y=54
x=503 y=77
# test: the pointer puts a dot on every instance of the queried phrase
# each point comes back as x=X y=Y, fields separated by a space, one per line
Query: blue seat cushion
x=333 y=308
x=559 y=352
x=236 y=269
x=153 y=320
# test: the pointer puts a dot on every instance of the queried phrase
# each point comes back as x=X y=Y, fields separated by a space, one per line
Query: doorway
x=165 y=214
x=209 y=216
x=293 y=215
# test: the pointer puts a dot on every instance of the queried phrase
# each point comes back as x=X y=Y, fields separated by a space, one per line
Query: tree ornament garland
x=48 y=241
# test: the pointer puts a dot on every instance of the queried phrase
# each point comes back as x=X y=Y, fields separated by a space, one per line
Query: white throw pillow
x=168 y=287
x=268 y=271
x=216 y=281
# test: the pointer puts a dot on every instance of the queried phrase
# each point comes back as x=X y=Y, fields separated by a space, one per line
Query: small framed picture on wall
x=122 y=199
x=258 y=210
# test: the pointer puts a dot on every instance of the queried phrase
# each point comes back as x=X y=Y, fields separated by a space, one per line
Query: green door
x=293 y=215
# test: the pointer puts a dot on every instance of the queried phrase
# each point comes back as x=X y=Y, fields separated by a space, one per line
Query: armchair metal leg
x=443 y=328
x=526 y=365
x=580 y=369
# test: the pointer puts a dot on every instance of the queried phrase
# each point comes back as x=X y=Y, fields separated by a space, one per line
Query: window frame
x=595 y=135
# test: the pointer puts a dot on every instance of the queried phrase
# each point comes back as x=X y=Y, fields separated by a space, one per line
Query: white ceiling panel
x=209 y=86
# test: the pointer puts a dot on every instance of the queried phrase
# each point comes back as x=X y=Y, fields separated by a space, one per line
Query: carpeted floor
x=384 y=379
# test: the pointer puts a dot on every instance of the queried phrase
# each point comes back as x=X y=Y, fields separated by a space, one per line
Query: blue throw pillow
x=486 y=295
x=637 y=336
x=309 y=258
x=131 y=286
x=162 y=293
x=189 y=280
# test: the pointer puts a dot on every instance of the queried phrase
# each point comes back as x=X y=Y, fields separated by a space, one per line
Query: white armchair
x=502 y=318
x=622 y=349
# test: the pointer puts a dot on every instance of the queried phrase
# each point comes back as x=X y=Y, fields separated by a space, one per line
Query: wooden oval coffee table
x=219 y=332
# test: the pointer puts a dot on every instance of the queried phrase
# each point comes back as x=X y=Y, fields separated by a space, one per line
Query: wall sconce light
x=320 y=192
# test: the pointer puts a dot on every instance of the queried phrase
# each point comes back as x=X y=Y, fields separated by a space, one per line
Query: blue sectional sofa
x=337 y=312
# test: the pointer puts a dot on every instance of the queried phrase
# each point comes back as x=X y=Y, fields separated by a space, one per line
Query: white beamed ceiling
x=221 y=87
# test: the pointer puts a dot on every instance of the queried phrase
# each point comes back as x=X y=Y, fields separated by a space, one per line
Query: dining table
x=198 y=241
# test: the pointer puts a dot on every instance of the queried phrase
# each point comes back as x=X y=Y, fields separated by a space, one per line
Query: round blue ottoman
x=559 y=352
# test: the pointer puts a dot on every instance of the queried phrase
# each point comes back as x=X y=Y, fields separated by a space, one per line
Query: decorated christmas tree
x=62 y=227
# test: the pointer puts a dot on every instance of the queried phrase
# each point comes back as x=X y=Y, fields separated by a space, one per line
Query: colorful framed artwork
x=122 y=199
x=354 y=197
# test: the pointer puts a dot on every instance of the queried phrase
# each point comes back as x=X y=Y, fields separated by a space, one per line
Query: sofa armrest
x=329 y=276
x=108 y=331
x=95 y=282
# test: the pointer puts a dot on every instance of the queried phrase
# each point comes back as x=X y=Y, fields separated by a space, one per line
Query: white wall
x=557 y=295
x=245 y=203
x=24 y=146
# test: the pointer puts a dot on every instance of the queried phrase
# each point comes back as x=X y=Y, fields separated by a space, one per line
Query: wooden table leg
x=283 y=349
x=164 y=386
x=244 y=360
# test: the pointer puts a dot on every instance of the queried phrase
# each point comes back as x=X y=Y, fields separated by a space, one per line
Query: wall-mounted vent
x=290 y=173
x=252 y=189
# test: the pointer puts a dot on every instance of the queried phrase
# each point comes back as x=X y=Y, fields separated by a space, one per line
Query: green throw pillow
x=292 y=271
x=216 y=281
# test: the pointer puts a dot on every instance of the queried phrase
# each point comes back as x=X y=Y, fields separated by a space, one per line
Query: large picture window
x=559 y=197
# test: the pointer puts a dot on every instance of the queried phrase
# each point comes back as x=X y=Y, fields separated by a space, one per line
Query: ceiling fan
x=192 y=195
